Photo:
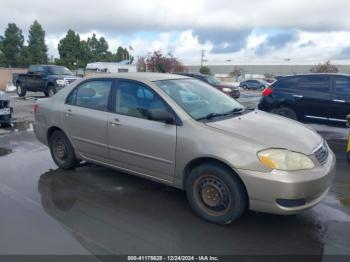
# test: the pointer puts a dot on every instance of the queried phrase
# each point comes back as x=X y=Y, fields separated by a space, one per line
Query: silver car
x=182 y=132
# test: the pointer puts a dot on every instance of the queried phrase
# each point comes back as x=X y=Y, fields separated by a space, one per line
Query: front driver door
x=85 y=118
x=137 y=144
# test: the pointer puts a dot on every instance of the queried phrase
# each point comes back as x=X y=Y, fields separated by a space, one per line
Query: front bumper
x=5 y=119
x=286 y=192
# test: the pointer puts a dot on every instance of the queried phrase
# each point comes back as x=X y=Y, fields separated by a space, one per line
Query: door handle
x=339 y=101
x=115 y=122
x=298 y=96
x=68 y=112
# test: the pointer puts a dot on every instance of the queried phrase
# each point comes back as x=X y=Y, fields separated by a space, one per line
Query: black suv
x=213 y=81
x=311 y=96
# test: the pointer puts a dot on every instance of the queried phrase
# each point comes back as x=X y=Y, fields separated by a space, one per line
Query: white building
x=110 y=67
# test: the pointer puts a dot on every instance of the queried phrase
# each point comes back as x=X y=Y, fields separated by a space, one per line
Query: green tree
x=36 y=44
x=205 y=70
x=72 y=51
x=25 y=57
x=12 y=44
x=123 y=54
x=2 y=56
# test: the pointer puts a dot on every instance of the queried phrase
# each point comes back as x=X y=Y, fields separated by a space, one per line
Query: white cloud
x=185 y=27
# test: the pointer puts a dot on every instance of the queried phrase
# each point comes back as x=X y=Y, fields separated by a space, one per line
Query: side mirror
x=161 y=116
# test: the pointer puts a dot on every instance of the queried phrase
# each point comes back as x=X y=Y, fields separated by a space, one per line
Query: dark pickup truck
x=43 y=78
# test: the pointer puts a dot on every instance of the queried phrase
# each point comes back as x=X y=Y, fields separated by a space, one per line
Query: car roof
x=192 y=74
x=313 y=74
x=139 y=76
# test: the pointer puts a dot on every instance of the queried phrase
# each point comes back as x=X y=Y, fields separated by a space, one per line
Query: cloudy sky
x=231 y=32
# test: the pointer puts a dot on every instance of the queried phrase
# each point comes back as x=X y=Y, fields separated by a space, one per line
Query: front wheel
x=62 y=151
x=20 y=90
x=216 y=194
x=51 y=90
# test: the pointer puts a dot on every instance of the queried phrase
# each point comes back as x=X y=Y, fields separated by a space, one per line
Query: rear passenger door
x=85 y=116
x=312 y=96
x=340 y=98
x=38 y=81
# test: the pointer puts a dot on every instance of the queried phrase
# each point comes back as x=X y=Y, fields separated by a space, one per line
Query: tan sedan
x=184 y=133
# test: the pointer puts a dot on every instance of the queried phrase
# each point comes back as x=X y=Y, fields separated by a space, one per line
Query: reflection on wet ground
x=112 y=213
x=109 y=212
x=4 y=151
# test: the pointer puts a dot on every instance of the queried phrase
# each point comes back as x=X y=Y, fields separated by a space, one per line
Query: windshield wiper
x=209 y=116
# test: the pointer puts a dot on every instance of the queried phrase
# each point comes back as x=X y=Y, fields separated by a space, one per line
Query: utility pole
x=202 y=57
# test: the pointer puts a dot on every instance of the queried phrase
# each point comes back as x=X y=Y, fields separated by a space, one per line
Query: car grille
x=4 y=104
x=322 y=153
x=68 y=81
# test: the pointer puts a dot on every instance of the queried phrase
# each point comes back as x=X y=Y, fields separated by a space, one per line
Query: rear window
x=316 y=83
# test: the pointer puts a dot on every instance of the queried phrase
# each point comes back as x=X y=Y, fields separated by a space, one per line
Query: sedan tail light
x=36 y=108
x=267 y=91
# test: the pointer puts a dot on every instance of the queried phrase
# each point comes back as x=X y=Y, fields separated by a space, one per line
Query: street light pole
x=202 y=57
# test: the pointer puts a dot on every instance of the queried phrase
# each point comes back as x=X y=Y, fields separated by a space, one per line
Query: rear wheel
x=20 y=90
x=62 y=150
x=8 y=124
x=286 y=112
x=215 y=193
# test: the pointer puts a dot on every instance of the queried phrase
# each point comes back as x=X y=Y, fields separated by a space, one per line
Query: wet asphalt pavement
x=95 y=210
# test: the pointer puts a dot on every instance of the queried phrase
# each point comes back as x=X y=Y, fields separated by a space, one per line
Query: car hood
x=4 y=96
x=222 y=85
x=270 y=131
x=65 y=76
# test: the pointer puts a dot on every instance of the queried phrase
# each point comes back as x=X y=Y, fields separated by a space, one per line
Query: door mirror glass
x=161 y=116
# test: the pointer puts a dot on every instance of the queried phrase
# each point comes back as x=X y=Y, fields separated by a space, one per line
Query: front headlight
x=60 y=82
x=283 y=159
x=226 y=90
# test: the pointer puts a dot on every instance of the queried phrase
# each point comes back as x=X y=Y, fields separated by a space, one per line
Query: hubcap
x=212 y=195
x=60 y=149
x=51 y=92
x=19 y=89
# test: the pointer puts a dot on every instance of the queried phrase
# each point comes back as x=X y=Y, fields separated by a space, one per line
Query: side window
x=135 y=99
x=32 y=69
x=93 y=94
x=342 y=85
x=286 y=83
x=317 y=84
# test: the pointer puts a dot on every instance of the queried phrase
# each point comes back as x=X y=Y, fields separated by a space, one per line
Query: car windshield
x=60 y=70
x=212 y=80
x=200 y=100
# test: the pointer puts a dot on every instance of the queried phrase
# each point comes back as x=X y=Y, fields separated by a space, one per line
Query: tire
x=215 y=193
x=51 y=90
x=62 y=151
x=245 y=87
x=286 y=112
x=20 y=90
x=6 y=125
x=348 y=157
